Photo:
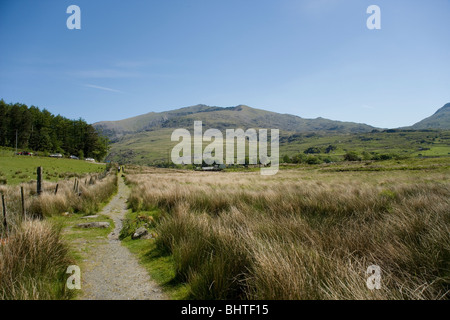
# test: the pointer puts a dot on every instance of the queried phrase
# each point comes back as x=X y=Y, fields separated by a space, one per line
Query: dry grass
x=33 y=257
x=303 y=235
x=32 y=260
x=86 y=199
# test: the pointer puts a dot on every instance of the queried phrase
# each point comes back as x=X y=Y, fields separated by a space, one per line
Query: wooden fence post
x=5 y=223
x=23 y=202
x=39 y=180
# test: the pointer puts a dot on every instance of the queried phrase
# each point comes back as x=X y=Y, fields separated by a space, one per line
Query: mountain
x=224 y=118
x=439 y=120
x=146 y=139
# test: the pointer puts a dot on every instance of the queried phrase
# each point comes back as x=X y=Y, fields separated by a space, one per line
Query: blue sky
x=312 y=58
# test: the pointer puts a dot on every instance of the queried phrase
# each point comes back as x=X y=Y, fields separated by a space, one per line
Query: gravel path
x=111 y=272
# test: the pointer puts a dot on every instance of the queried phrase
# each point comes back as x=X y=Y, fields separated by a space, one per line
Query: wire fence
x=19 y=203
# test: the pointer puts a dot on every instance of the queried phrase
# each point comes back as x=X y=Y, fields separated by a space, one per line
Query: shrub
x=352 y=156
x=313 y=160
x=312 y=150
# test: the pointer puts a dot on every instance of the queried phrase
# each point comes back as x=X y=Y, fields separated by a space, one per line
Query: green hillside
x=439 y=120
x=153 y=147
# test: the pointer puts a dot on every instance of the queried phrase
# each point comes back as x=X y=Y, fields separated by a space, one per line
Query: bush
x=352 y=156
x=313 y=160
x=286 y=159
x=299 y=158
x=312 y=150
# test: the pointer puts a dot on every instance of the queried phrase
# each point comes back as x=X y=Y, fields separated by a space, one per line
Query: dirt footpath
x=111 y=272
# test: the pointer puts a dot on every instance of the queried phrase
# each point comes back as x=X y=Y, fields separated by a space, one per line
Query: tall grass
x=32 y=263
x=33 y=256
x=243 y=236
x=86 y=199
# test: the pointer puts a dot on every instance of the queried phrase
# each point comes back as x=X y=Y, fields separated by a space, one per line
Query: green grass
x=78 y=238
x=151 y=147
x=72 y=233
x=159 y=265
x=81 y=241
x=403 y=143
x=18 y=169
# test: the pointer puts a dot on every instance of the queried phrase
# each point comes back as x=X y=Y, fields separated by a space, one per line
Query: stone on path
x=139 y=233
x=93 y=225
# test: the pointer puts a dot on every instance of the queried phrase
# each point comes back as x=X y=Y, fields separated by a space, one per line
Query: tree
x=45 y=143
x=4 y=111
x=42 y=131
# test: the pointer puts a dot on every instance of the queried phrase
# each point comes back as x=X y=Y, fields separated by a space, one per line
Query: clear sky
x=311 y=58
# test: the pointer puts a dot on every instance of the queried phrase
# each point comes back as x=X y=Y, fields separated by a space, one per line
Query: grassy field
x=403 y=143
x=151 y=147
x=18 y=169
x=308 y=232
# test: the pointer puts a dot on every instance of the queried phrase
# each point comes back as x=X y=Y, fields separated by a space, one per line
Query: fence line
x=19 y=202
x=5 y=223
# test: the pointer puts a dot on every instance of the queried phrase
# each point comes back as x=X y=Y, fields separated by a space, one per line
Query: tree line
x=40 y=130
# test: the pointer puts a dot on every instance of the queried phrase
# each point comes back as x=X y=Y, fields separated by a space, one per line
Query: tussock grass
x=33 y=261
x=302 y=236
x=33 y=256
x=87 y=201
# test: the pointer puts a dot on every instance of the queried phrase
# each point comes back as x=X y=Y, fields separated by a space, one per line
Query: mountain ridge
x=225 y=117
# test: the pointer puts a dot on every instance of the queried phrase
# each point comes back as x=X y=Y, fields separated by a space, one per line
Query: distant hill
x=439 y=120
x=145 y=139
x=225 y=118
